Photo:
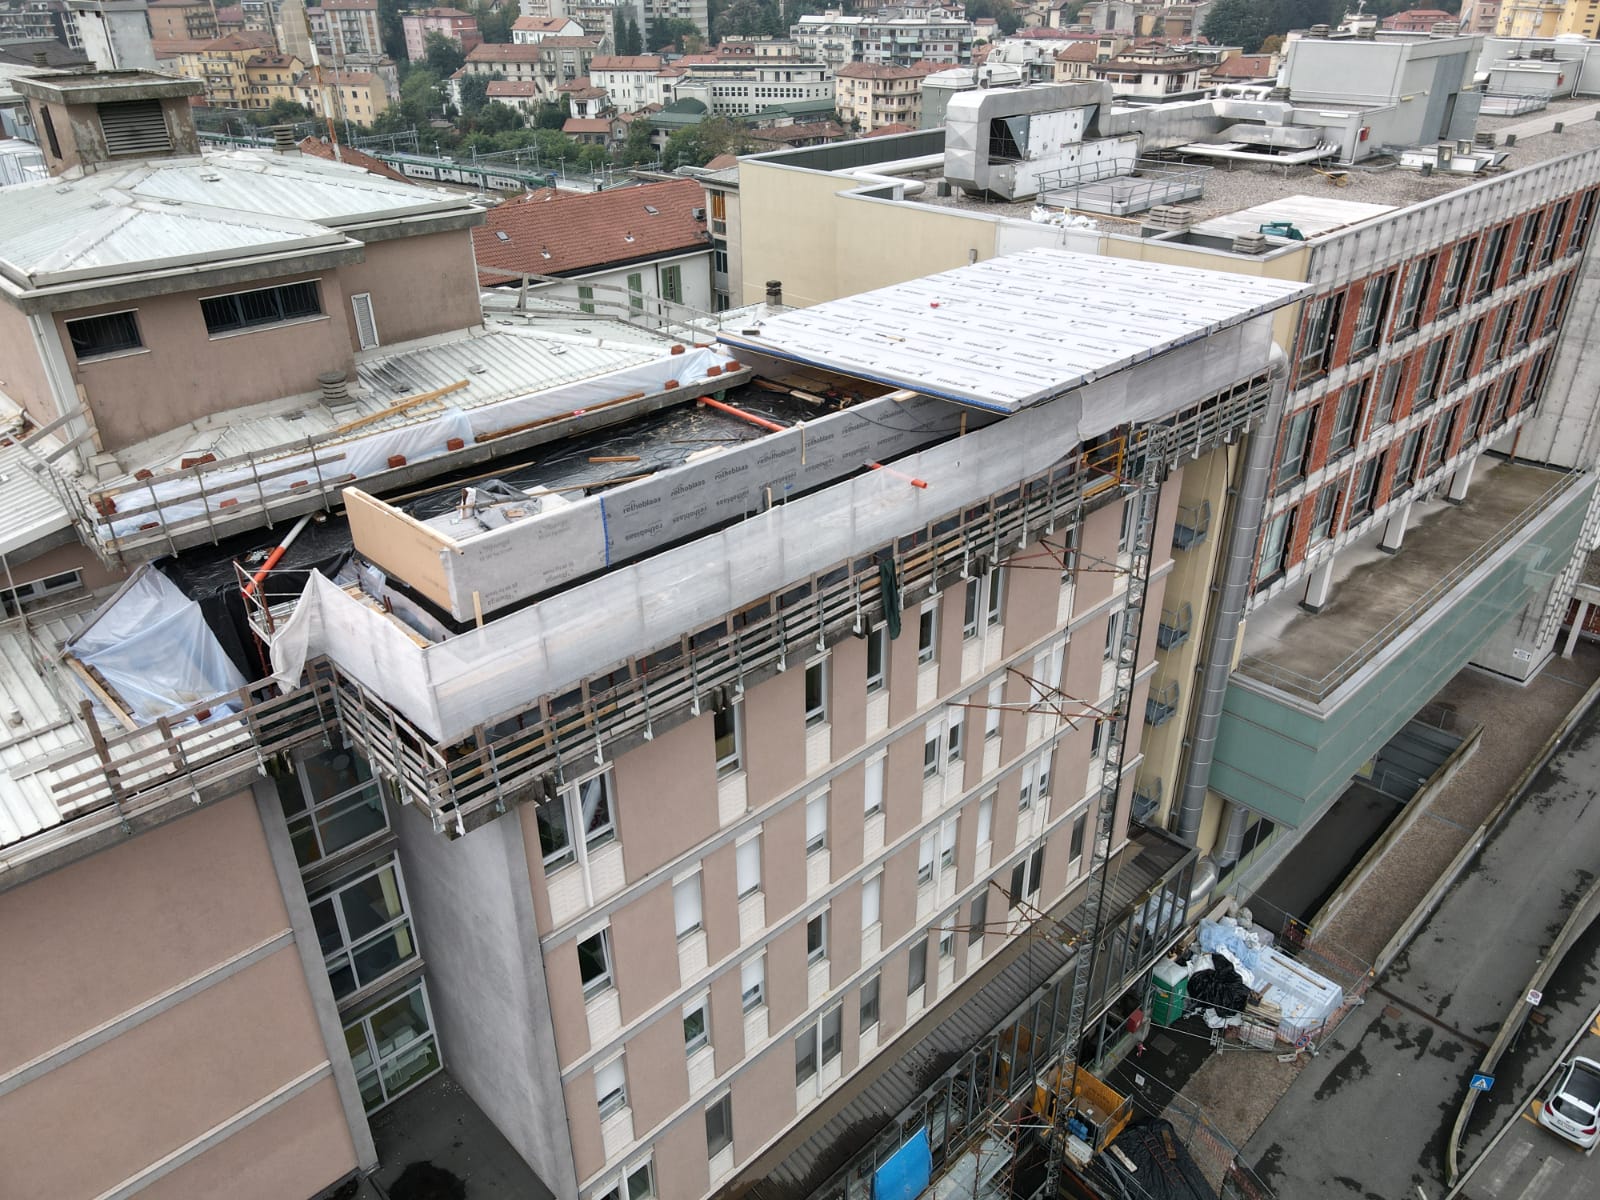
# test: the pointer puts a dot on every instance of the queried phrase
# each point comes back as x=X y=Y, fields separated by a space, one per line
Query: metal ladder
x=1151 y=471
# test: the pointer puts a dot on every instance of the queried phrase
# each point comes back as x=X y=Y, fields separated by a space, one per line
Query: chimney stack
x=283 y=139
x=775 y=292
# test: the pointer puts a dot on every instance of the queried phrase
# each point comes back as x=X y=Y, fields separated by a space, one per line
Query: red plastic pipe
x=742 y=415
x=276 y=555
x=911 y=479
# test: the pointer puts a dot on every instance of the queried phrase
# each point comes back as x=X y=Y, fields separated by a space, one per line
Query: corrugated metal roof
x=32 y=508
x=805 y=1159
x=1015 y=330
x=1311 y=215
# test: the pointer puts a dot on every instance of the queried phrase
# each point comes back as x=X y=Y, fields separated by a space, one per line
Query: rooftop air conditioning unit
x=699 y=214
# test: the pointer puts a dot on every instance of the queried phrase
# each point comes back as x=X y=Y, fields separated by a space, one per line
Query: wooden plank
x=91 y=680
x=398 y=407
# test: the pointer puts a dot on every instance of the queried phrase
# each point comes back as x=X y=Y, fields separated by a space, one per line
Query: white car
x=1573 y=1107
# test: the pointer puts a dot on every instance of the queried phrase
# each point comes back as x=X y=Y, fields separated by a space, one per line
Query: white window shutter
x=366 y=323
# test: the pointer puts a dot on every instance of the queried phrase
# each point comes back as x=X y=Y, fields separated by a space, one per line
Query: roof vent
x=1444 y=29
x=1250 y=243
x=283 y=139
x=335 y=389
x=41 y=59
x=134 y=127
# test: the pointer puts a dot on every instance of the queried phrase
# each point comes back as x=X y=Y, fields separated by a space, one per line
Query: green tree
x=390 y=31
x=625 y=33
x=1002 y=12
x=420 y=97
x=495 y=23
x=550 y=116
x=674 y=31
x=637 y=146
x=592 y=158
x=282 y=112
x=442 y=55
x=475 y=93
x=495 y=117
x=1245 y=23
x=697 y=145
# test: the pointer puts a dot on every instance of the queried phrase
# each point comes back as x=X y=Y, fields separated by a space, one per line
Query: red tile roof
x=883 y=71
x=886 y=130
x=318 y=148
x=625 y=62
x=722 y=162
x=547 y=24
x=1082 y=52
x=1244 y=66
x=493 y=52
x=586 y=125
x=513 y=87
x=584 y=232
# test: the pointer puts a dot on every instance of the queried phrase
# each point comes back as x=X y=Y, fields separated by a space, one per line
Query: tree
x=549 y=116
x=674 y=30
x=495 y=117
x=281 y=112
x=625 y=32
x=1002 y=12
x=390 y=31
x=419 y=97
x=442 y=55
x=697 y=145
x=637 y=146
x=1245 y=23
x=494 y=23
x=750 y=18
x=475 y=93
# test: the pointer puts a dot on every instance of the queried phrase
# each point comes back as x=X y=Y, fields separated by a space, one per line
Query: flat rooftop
x=1376 y=594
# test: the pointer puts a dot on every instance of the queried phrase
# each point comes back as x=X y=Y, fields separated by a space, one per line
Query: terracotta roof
x=784 y=134
x=722 y=162
x=512 y=87
x=575 y=85
x=1083 y=52
x=228 y=42
x=586 y=125
x=531 y=52
x=438 y=12
x=230 y=14
x=547 y=24
x=881 y=71
x=586 y=93
x=265 y=61
x=583 y=232
x=625 y=62
x=1244 y=66
x=886 y=130
x=318 y=148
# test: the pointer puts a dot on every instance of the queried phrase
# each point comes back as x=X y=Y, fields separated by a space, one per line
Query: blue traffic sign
x=1482 y=1083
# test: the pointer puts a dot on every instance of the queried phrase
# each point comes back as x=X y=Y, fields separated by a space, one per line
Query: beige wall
x=25 y=379
x=103 y=941
x=72 y=557
x=403 y=310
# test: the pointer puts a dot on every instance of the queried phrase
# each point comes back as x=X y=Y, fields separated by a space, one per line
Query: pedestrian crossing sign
x=1482 y=1083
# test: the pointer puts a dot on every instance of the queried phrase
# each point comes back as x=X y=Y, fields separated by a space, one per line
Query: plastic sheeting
x=152 y=646
x=181 y=498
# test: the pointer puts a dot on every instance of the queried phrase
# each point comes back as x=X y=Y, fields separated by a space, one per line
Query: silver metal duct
x=1234 y=591
x=1232 y=840
x=1205 y=879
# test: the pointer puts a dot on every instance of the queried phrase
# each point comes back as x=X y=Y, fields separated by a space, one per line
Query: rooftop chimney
x=283 y=140
x=775 y=292
x=97 y=119
x=41 y=59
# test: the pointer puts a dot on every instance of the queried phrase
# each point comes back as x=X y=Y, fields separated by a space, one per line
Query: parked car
x=1572 y=1108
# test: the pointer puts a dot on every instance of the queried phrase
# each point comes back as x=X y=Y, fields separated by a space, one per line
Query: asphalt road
x=1370 y=1116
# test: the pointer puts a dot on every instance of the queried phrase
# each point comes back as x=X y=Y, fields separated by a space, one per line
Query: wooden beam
x=398 y=407
x=102 y=693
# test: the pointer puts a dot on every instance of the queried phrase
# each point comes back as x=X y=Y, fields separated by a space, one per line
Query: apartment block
x=182 y=20
x=460 y=27
x=549 y=63
x=873 y=96
x=346 y=28
x=746 y=85
x=888 y=41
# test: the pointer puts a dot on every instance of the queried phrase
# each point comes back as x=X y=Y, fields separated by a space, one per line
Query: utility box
x=1169 y=993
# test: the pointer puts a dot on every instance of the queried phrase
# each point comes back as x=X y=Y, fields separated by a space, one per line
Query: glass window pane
x=371 y=904
x=641 y=1183
x=594 y=965
x=329 y=935
x=415 y=1062
x=384 y=953
x=333 y=771
x=356 y=817
x=554 y=841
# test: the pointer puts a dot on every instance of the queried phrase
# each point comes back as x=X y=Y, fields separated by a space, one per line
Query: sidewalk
x=1239 y=1090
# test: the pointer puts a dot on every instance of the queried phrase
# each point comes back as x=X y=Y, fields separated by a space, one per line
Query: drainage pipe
x=1233 y=592
x=760 y=422
x=278 y=553
x=1232 y=840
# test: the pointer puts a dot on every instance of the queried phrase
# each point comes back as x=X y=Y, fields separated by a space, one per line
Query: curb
x=1490 y=826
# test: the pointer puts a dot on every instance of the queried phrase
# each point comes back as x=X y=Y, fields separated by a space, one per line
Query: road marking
x=1542 y=1179
x=1508 y=1166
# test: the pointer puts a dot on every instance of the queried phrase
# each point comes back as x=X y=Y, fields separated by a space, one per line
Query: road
x=1370 y=1116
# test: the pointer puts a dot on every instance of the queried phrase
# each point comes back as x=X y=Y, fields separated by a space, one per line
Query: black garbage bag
x=1219 y=988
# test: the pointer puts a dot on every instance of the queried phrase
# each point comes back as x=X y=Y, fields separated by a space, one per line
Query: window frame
x=1025 y=878
x=874 y=987
x=877 y=638
x=611 y=1102
x=1386 y=392
x=569 y=803
x=245 y=324
x=1347 y=418
x=816 y=672
x=683 y=887
x=1319 y=335
x=733 y=761
x=1407 y=459
x=137 y=346
x=1414 y=295
x=1527 y=239
x=1296 y=449
x=917 y=967
x=1431 y=361
x=1457 y=273
x=313 y=815
x=696 y=1042
x=1365 y=489
x=1370 y=314
x=607 y=978
x=817 y=946
x=1552 y=234
x=1273 y=559
x=1461 y=360
x=816 y=823
x=978 y=917
x=351 y=946
x=753 y=995
x=873 y=797
x=743 y=852
x=1494 y=250
x=719 y=1136
x=377 y=1063
x=927 y=633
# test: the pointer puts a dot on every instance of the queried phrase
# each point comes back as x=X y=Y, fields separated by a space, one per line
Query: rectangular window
x=992 y=710
x=947 y=944
x=1552 y=233
x=816 y=689
x=594 y=963
x=585 y=298
x=611 y=1088
x=642 y=1182
x=805 y=1054
x=969 y=609
x=1274 y=548
x=1530 y=308
x=1580 y=224
x=1322 y=516
x=1113 y=632
x=1494 y=251
x=1321 y=329
x=1130 y=516
x=994 y=596
x=330 y=802
x=1527 y=238
x=986 y=819
x=587 y=806
x=1347 y=418
x=1409 y=311
x=1480 y=403
x=1497 y=333
x=265 y=306
x=686 y=905
x=947 y=846
x=753 y=982
x=917 y=969
x=1502 y=401
x=1025 y=878
x=976 y=924
x=1388 y=388
x=109 y=333
x=817 y=938
x=877 y=658
x=364 y=929
x=1466 y=346
x=872 y=901
x=672 y=284
x=392 y=1048
x=832 y=1034
x=1075 y=852
x=726 y=732
x=869 y=1002
x=1558 y=302
x=817 y=823
x=925 y=860
x=954 y=732
x=1406 y=465
x=1369 y=317
x=1296 y=443
x=747 y=864
x=1366 y=490
x=1455 y=276
x=927 y=633
x=719 y=1126
x=873 y=802
x=1443 y=430
x=1427 y=389
x=636 y=291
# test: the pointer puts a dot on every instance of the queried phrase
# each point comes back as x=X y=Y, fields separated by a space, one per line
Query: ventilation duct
x=134 y=127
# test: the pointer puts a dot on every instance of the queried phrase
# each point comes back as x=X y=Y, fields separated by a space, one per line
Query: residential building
x=585 y=100
x=796 y=133
x=549 y=63
x=1480 y=16
x=1151 y=73
x=872 y=95
x=631 y=81
x=588 y=131
x=270 y=77
x=460 y=27
x=642 y=252
x=901 y=42
x=524 y=95
x=696 y=12
x=526 y=31
x=745 y=86
x=182 y=20
x=219 y=63
x=346 y=28
x=1245 y=69
x=357 y=96
x=598 y=18
x=720 y=179
x=1074 y=61
x=1418 y=20
x=231 y=19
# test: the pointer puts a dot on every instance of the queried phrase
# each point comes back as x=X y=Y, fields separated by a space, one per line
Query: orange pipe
x=914 y=482
x=742 y=415
x=276 y=555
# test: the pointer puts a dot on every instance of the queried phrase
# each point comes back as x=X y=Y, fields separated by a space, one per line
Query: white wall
x=694 y=268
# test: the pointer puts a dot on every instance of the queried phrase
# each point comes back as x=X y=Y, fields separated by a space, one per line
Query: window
x=585 y=298
x=640 y=1184
x=818 y=1044
x=869 y=1002
x=1296 y=443
x=1113 y=632
x=873 y=799
x=954 y=732
x=1558 y=301
x=817 y=824
x=947 y=846
x=1455 y=276
x=1466 y=347
x=917 y=972
x=817 y=692
x=1388 y=388
x=696 y=1028
x=1427 y=389
x=1079 y=827
x=672 y=284
x=1130 y=516
x=109 y=333
x=1369 y=317
x=719 y=1126
x=979 y=919
x=726 y=732
x=611 y=1088
x=1497 y=334
x=1480 y=403
x=753 y=982
x=1321 y=330
x=925 y=860
x=364 y=929
x=1346 y=418
x=594 y=963
x=932 y=735
x=817 y=938
x=747 y=866
x=927 y=633
x=1494 y=251
x=1366 y=490
x=1443 y=430
x=686 y=905
x=1530 y=307
x=265 y=306
x=392 y=1048
x=872 y=901
x=1409 y=311
x=330 y=802
x=1025 y=877
x=1322 y=516
x=586 y=806
x=1527 y=237
x=877 y=658
x=969 y=608
x=636 y=291
x=986 y=819
x=1552 y=233
x=947 y=941
x=1274 y=548
x=1580 y=223
x=1406 y=465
